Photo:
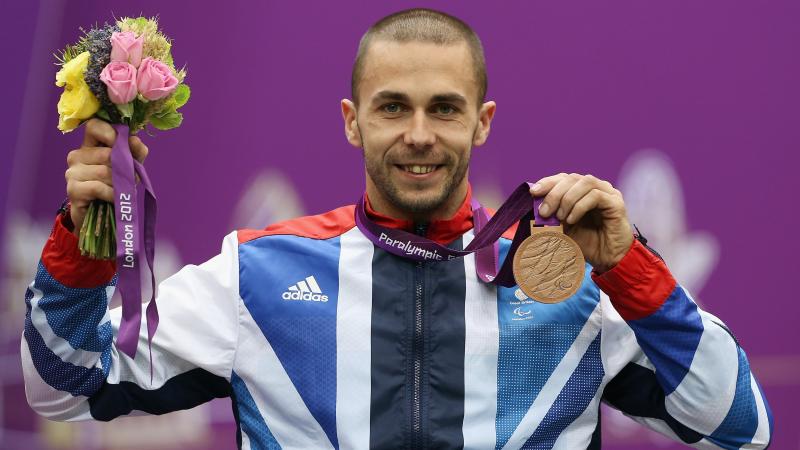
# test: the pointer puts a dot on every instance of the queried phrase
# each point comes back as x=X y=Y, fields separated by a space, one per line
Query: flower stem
x=97 y=238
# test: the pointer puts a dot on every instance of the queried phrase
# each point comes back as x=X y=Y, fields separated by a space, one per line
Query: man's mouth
x=418 y=169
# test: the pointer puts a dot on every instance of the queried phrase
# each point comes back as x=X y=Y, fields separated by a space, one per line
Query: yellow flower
x=77 y=102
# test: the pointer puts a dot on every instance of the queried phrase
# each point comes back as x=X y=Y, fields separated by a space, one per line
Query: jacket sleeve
x=71 y=367
x=689 y=379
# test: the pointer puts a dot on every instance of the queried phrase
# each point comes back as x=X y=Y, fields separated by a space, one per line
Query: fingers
x=138 y=149
x=544 y=185
x=89 y=174
x=584 y=186
x=79 y=159
x=98 y=132
x=80 y=193
x=555 y=187
x=594 y=199
x=564 y=192
x=101 y=134
x=86 y=172
x=102 y=155
x=87 y=182
x=90 y=155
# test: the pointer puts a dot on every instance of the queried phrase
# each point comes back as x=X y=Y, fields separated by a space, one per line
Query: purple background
x=580 y=87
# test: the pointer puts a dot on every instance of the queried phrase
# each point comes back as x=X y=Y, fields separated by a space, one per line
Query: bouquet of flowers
x=124 y=74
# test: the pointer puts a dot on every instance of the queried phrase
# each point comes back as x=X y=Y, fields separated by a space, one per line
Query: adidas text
x=307 y=296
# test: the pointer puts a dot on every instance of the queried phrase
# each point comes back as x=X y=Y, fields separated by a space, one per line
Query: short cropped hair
x=422 y=25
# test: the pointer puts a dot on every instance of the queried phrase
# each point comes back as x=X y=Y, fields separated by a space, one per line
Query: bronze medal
x=549 y=266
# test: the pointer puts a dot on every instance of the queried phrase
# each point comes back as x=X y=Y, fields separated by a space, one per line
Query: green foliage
x=126 y=110
x=69 y=52
x=181 y=95
x=141 y=23
x=163 y=113
x=72 y=50
x=167 y=120
x=103 y=114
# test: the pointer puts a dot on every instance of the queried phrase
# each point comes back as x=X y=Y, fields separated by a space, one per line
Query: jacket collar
x=441 y=231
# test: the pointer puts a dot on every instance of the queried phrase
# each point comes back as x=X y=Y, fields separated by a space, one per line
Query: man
x=324 y=339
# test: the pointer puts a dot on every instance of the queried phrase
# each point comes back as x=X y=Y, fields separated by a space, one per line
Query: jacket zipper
x=417 y=350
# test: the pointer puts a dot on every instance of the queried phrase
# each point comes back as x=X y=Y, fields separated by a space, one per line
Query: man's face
x=417 y=120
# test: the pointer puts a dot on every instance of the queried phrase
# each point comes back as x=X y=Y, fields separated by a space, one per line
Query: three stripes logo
x=307 y=290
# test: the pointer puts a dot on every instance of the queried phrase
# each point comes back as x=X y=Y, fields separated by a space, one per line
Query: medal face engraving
x=549 y=266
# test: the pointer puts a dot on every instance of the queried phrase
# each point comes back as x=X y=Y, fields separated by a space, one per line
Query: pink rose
x=155 y=79
x=120 y=78
x=125 y=46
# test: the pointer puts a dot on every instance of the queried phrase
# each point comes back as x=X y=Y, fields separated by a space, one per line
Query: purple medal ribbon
x=128 y=240
x=518 y=207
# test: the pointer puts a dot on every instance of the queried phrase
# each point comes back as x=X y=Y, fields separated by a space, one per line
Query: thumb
x=138 y=149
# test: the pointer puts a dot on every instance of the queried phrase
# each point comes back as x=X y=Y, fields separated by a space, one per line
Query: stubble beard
x=412 y=202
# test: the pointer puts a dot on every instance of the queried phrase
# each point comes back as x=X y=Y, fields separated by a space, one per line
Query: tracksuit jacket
x=323 y=340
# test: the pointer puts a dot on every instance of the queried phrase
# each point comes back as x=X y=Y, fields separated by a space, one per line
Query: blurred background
x=690 y=108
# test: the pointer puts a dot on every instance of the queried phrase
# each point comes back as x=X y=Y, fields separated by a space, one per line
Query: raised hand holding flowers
x=123 y=74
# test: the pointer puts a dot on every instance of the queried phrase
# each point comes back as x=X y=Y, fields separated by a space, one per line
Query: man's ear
x=350 y=123
x=485 y=116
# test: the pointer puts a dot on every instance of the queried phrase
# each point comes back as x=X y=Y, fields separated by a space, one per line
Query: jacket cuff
x=638 y=285
x=63 y=260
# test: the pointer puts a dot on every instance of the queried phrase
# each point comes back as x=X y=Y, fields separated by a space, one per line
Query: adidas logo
x=307 y=290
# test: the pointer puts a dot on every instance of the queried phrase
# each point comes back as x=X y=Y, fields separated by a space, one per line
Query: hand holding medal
x=593 y=213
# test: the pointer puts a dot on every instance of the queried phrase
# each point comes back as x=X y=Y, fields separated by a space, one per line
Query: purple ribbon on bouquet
x=129 y=244
x=518 y=207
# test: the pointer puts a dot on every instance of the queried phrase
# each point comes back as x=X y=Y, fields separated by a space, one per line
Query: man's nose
x=419 y=133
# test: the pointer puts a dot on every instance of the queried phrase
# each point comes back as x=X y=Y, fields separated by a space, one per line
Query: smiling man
x=325 y=336
x=421 y=94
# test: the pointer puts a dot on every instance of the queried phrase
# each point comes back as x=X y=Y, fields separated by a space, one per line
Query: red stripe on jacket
x=322 y=226
x=639 y=284
x=63 y=260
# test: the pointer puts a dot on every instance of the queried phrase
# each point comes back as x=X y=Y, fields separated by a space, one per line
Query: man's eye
x=445 y=109
x=392 y=108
